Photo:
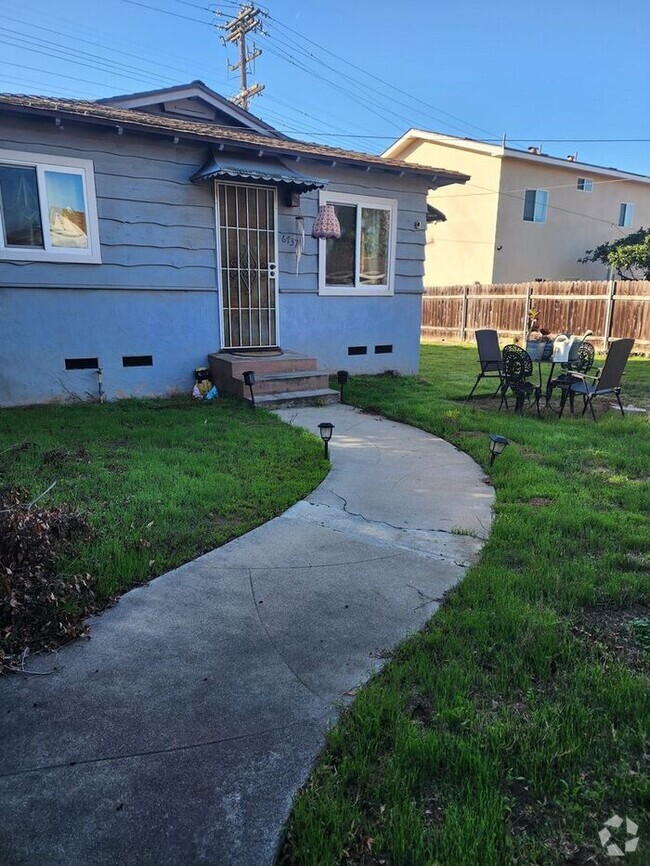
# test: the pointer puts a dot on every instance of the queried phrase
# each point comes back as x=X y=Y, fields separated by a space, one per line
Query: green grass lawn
x=160 y=481
x=516 y=723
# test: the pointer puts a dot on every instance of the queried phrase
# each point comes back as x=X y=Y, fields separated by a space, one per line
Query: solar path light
x=325 y=428
x=249 y=379
x=497 y=446
x=342 y=377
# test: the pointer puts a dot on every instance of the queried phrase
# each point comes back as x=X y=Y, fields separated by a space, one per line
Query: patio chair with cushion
x=606 y=381
x=489 y=357
x=517 y=370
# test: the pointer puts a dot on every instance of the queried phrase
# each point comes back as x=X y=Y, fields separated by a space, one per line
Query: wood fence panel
x=631 y=312
x=610 y=310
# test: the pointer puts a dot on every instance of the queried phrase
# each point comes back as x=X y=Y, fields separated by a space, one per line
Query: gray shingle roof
x=93 y=112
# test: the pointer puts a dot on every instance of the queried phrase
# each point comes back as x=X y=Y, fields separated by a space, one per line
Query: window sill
x=355 y=291
x=30 y=256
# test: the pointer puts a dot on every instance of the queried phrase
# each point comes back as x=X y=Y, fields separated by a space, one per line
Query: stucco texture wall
x=327 y=327
x=40 y=328
x=576 y=221
x=460 y=250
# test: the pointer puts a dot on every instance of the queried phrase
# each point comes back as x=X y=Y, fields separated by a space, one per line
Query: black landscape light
x=326 y=429
x=342 y=377
x=249 y=379
x=497 y=446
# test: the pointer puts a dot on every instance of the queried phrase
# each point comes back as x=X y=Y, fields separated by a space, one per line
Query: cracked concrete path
x=179 y=734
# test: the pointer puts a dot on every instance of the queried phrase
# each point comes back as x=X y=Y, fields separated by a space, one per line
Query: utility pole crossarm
x=236 y=29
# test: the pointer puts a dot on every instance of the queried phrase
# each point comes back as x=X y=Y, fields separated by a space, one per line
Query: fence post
x=609 y=312
x=463 y=314
x=529 y=294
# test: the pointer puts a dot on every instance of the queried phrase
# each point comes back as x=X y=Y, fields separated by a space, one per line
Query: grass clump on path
x=158 y=482
x=515 y=724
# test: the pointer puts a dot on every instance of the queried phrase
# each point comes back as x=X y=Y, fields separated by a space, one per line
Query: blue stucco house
x=143 y=233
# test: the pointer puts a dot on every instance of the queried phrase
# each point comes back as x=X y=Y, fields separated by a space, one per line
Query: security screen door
x=248 y=265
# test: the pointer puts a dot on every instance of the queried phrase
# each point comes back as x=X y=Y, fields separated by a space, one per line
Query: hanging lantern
x=326 y=224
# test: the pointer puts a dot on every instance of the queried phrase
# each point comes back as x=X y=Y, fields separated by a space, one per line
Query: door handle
x=272 y=270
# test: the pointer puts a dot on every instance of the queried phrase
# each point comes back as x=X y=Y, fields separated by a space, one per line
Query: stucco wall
x=157 y=289
x=327 y=327
x=460 y=250
x=40 y=328
x=576 y=221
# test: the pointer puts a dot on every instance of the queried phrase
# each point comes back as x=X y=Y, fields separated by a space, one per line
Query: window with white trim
x=585 y=184
x=362 y=261
x=48 y=211
x=535 y=205
x=625 y=214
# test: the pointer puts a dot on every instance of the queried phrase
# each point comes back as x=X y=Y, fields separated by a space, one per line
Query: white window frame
x=587 y=184
x=535 y=221
x=49 y=253
x=626 y=217
x=360 y=201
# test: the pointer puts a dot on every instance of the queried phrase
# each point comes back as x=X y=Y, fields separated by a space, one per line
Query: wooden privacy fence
x=610 y=309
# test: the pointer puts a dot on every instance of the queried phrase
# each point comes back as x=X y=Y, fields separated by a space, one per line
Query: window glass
x=529 y=205
x=535 y=205
x=585 y=184
x=340 y=256
x=66 y=209
x=21 y=216
x=541 y=202
x=374 y=247
x=625 y=214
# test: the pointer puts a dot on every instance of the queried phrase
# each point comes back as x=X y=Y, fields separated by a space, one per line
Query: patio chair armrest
x=583 y=376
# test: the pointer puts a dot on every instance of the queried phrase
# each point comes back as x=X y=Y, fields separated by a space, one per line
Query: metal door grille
x=248 y=265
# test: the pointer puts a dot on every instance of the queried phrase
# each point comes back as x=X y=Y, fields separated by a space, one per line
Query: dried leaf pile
x=39 y=607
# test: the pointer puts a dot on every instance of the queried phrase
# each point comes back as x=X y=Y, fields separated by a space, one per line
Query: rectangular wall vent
x=81 y=363
x=357 y=350
x=137 y=360
x=384 y=349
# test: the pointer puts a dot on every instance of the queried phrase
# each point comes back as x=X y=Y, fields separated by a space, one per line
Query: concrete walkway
x=180 y=732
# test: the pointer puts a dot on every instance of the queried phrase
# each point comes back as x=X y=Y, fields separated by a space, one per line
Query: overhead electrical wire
x=56 y=74
x=280 y=49
x=87 y=41
x=370 y=99
x=78 y=57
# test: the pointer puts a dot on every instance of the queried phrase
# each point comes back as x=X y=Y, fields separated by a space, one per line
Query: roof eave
x=436 y=177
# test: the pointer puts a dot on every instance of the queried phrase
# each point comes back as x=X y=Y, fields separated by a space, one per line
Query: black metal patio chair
x=582 y=362
x=489 y=357
x=517 y=370
x=606 y=381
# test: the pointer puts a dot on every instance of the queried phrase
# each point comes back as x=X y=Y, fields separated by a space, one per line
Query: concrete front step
x=277 y=377
x=289 y=399
x=262 y=364
x=303 y=380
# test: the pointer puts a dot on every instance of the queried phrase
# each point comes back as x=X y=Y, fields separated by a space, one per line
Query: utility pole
x=236 y=29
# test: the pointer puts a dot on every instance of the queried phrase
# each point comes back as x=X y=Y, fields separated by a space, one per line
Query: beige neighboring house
x=524 y=215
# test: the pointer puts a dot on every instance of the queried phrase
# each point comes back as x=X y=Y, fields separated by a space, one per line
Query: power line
x=377 y=78
x=70 y=55
x=340 y=88
x=369 y=99
x=487 y=191
x=167 y=12
x=87 y=41
x=236 y=30
x=57 y=74
x=549 y=206
x=288 y=57
x=22 y=82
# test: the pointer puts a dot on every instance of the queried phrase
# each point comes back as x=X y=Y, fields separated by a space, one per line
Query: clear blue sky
x=559 y=69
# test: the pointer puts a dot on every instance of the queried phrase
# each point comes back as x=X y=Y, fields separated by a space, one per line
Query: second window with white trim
x=362 y=260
